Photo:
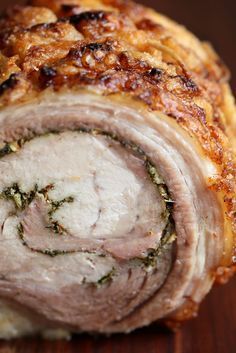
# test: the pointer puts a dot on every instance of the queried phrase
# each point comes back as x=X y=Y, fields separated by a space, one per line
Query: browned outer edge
x=115 y=36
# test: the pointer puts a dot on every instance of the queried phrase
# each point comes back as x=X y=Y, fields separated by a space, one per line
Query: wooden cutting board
x=214 y=330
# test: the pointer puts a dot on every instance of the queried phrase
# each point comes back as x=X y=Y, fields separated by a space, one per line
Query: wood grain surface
x=214 y=330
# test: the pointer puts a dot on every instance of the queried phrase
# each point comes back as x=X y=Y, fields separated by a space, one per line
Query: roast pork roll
x=117 y=169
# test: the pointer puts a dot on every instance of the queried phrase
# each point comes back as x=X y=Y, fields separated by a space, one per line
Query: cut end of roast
x=89 y=214
x=100 y=232
x=117 y=179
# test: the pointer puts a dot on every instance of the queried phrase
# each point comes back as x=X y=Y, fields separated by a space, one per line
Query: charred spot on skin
x=88 y=16
x=77 y=53
x=69 y=10
x=189 y=83
x=9 y=83
x=124 y=60
x=155 y=74
x=47 y=74
x=67 y=7
x=98 y=46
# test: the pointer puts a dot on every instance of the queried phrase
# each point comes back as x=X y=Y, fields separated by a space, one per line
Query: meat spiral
x=117 y=168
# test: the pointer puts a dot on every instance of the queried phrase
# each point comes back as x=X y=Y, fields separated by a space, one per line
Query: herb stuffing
x=11 y=147
x=107 y=278
x=23 y=199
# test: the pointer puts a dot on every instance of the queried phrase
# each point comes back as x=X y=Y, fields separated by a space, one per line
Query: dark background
x=214 y=331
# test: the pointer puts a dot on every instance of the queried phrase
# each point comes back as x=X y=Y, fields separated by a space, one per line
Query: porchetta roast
x=117 y=169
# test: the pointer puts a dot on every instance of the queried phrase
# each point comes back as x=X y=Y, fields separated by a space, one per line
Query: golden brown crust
x=120 y=47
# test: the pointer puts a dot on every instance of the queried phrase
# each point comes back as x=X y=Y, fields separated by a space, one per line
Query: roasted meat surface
x=117 y=169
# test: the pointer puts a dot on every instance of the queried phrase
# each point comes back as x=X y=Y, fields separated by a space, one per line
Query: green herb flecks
x=55 y=205
x=20 y=230
x=156 y=179
x=21 y=198
x=150 y=260
x=57 y=228
x=107 y=278
x=127 y=144
x=49 y=252
x=53 y=253
x=153 y=173
x=54 y=225
x=11 y=147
